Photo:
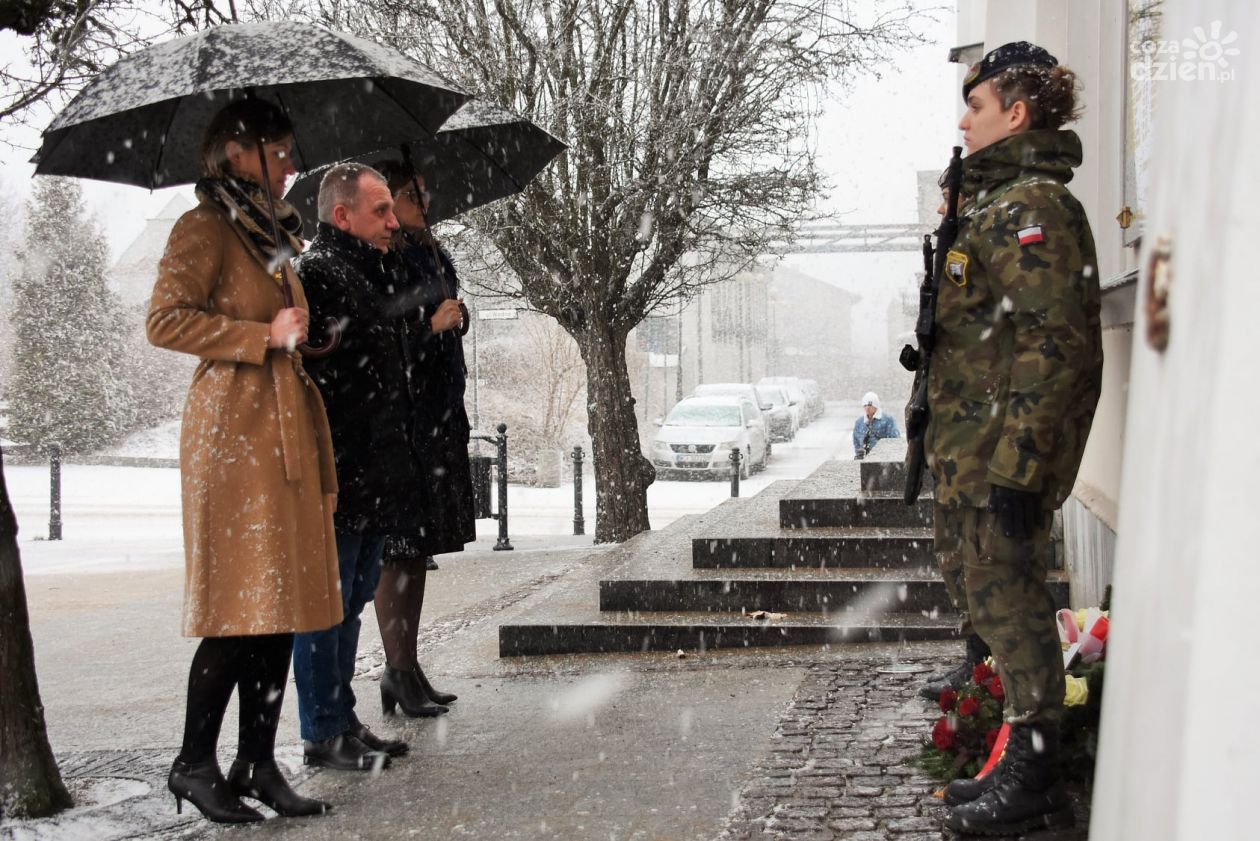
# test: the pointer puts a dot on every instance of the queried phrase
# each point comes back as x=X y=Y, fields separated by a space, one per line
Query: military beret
x=1014 y=54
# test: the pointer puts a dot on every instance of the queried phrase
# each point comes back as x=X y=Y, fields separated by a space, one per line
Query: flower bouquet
x=964 y=736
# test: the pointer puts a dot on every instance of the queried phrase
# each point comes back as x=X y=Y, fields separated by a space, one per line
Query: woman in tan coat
x=259 y=486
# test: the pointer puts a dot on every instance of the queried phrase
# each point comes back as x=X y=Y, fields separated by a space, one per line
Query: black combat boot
x=977 y=651
x=1026 y=796
x=968 y=789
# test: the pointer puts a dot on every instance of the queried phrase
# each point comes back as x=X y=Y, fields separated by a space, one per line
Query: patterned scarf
x=246 y=204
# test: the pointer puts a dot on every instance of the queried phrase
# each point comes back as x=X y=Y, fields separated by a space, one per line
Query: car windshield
x=699 y=415
x=772 y=396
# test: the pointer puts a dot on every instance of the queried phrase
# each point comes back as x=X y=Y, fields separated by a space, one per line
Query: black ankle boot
x=202 y=784
x=1027 y=796
x=403 y=689
x=957 y=677
x=434 y=696
x=262 y=781
x=968 y=789
x=392 y=747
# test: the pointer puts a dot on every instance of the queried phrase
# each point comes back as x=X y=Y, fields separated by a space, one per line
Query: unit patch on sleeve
x=956 y=267
x=1031 y=236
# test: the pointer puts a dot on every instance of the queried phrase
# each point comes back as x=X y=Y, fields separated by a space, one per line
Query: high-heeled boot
x=263 y=781
x=434 y=696
x=202 y=784
x=403 y=689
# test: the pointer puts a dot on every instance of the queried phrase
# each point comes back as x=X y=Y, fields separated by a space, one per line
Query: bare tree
x=688 y=130
x=68 y=42
x=558 y=376
x=30 y=784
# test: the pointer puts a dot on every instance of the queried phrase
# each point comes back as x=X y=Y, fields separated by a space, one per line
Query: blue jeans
x=323 y=661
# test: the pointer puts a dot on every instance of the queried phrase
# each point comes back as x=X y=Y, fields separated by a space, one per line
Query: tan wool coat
x=255 y=449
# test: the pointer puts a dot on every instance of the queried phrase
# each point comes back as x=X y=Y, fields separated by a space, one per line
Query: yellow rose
x=1081 y=615
x=1077 y=691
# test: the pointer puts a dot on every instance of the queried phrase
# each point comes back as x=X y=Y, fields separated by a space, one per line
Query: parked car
x=785 y=415
x=796 y=393
x=817 y=406
x=744 y=390
x=698 y=435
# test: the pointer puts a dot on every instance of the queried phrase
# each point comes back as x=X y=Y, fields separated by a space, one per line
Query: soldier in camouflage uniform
x=1015 y=376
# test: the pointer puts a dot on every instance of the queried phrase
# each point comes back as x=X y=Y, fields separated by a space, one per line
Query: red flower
x=982 y=672
x=991 y=738
x=949 y=697
x=969 y=707
x=943 y=734
x=996 y=689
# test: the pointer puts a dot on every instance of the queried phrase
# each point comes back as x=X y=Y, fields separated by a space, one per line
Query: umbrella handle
x=331 y=325
x=465 y=322
x=334 y=339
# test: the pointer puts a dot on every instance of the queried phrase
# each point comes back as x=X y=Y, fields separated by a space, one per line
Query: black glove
x=1018 y=513
x=909 y=358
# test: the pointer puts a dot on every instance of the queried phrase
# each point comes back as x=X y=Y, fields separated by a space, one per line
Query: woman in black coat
x=441 y=427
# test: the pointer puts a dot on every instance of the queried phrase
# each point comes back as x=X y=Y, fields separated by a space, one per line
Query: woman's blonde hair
x=248 y=122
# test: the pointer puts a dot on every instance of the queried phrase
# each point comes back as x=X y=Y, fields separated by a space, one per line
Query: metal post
x=579 y=522
x=500 y=441
x=54 y=495
x=735 y=456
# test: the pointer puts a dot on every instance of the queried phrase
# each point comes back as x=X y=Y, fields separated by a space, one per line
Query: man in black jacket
x=347 y=275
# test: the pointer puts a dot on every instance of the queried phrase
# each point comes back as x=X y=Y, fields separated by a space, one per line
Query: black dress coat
x=439 y=420
x=365 y=385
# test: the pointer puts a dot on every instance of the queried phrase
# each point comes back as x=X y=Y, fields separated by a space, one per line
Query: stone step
x=832 y=496
x=817 y=549
x=880 y=510
x=632 y=632
x=872 y=592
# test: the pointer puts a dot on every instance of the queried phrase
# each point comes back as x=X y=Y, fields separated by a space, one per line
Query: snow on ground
x=128 y=518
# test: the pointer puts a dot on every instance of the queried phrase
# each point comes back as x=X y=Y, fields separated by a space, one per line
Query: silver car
x=698 y=435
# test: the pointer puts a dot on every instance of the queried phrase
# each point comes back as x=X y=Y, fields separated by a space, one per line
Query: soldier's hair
x=340 y=185
x=1049 y=93
x=249 y=122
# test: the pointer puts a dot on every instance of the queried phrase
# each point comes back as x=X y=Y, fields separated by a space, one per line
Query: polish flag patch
x=1031 y=235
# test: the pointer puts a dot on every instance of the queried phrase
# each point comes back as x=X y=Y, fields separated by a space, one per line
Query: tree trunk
x=622 y=474
x=30 y=784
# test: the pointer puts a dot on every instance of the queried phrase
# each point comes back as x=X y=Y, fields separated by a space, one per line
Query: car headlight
x=728 y=446
x=662 y=447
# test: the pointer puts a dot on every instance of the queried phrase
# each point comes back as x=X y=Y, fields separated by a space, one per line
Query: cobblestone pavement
x=839 y=766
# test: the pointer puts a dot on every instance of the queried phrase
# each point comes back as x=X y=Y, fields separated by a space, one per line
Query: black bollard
x=735 y=456
x=54 y=492
x=579 y=522
x=500 y=442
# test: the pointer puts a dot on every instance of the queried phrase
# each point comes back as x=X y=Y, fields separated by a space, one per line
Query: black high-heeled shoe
x=434 y=696
x=263 y=781
x=403 y=689
x=202 y=784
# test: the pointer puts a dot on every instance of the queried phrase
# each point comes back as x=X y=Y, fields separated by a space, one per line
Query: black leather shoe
x=262 y=781
x=393 y=747
x=343 y=753
x=434 y=696
x=202 y=784
x=403 y=689
x=429 y=563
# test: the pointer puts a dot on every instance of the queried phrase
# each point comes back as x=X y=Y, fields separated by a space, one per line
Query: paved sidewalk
x=838 y=765
x=793 y=743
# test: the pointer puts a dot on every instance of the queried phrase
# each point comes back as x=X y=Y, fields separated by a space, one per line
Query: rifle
x=917 y=412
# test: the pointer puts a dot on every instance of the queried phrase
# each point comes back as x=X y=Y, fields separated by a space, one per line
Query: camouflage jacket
x=1017 y=367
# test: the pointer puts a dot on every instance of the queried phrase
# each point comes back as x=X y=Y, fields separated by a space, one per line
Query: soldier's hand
x=1018 y=513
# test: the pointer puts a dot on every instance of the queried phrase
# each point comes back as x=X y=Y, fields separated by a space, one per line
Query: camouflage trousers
x=999 y=584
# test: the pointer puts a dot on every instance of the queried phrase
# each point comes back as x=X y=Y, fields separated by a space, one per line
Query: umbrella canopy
x=482 y=154
x=141 y=121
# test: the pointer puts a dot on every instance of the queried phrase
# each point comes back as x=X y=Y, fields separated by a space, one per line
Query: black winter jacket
x=365 y=384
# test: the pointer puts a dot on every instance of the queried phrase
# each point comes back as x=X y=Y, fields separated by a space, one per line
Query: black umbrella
x=482 y=154
x=141 y=121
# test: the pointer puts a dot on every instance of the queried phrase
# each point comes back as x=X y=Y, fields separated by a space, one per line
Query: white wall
x=1179 y=739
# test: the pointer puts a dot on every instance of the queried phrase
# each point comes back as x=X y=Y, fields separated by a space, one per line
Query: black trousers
x=258 y=668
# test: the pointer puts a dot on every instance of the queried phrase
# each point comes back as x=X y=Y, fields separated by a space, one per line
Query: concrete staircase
x=838 y=556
